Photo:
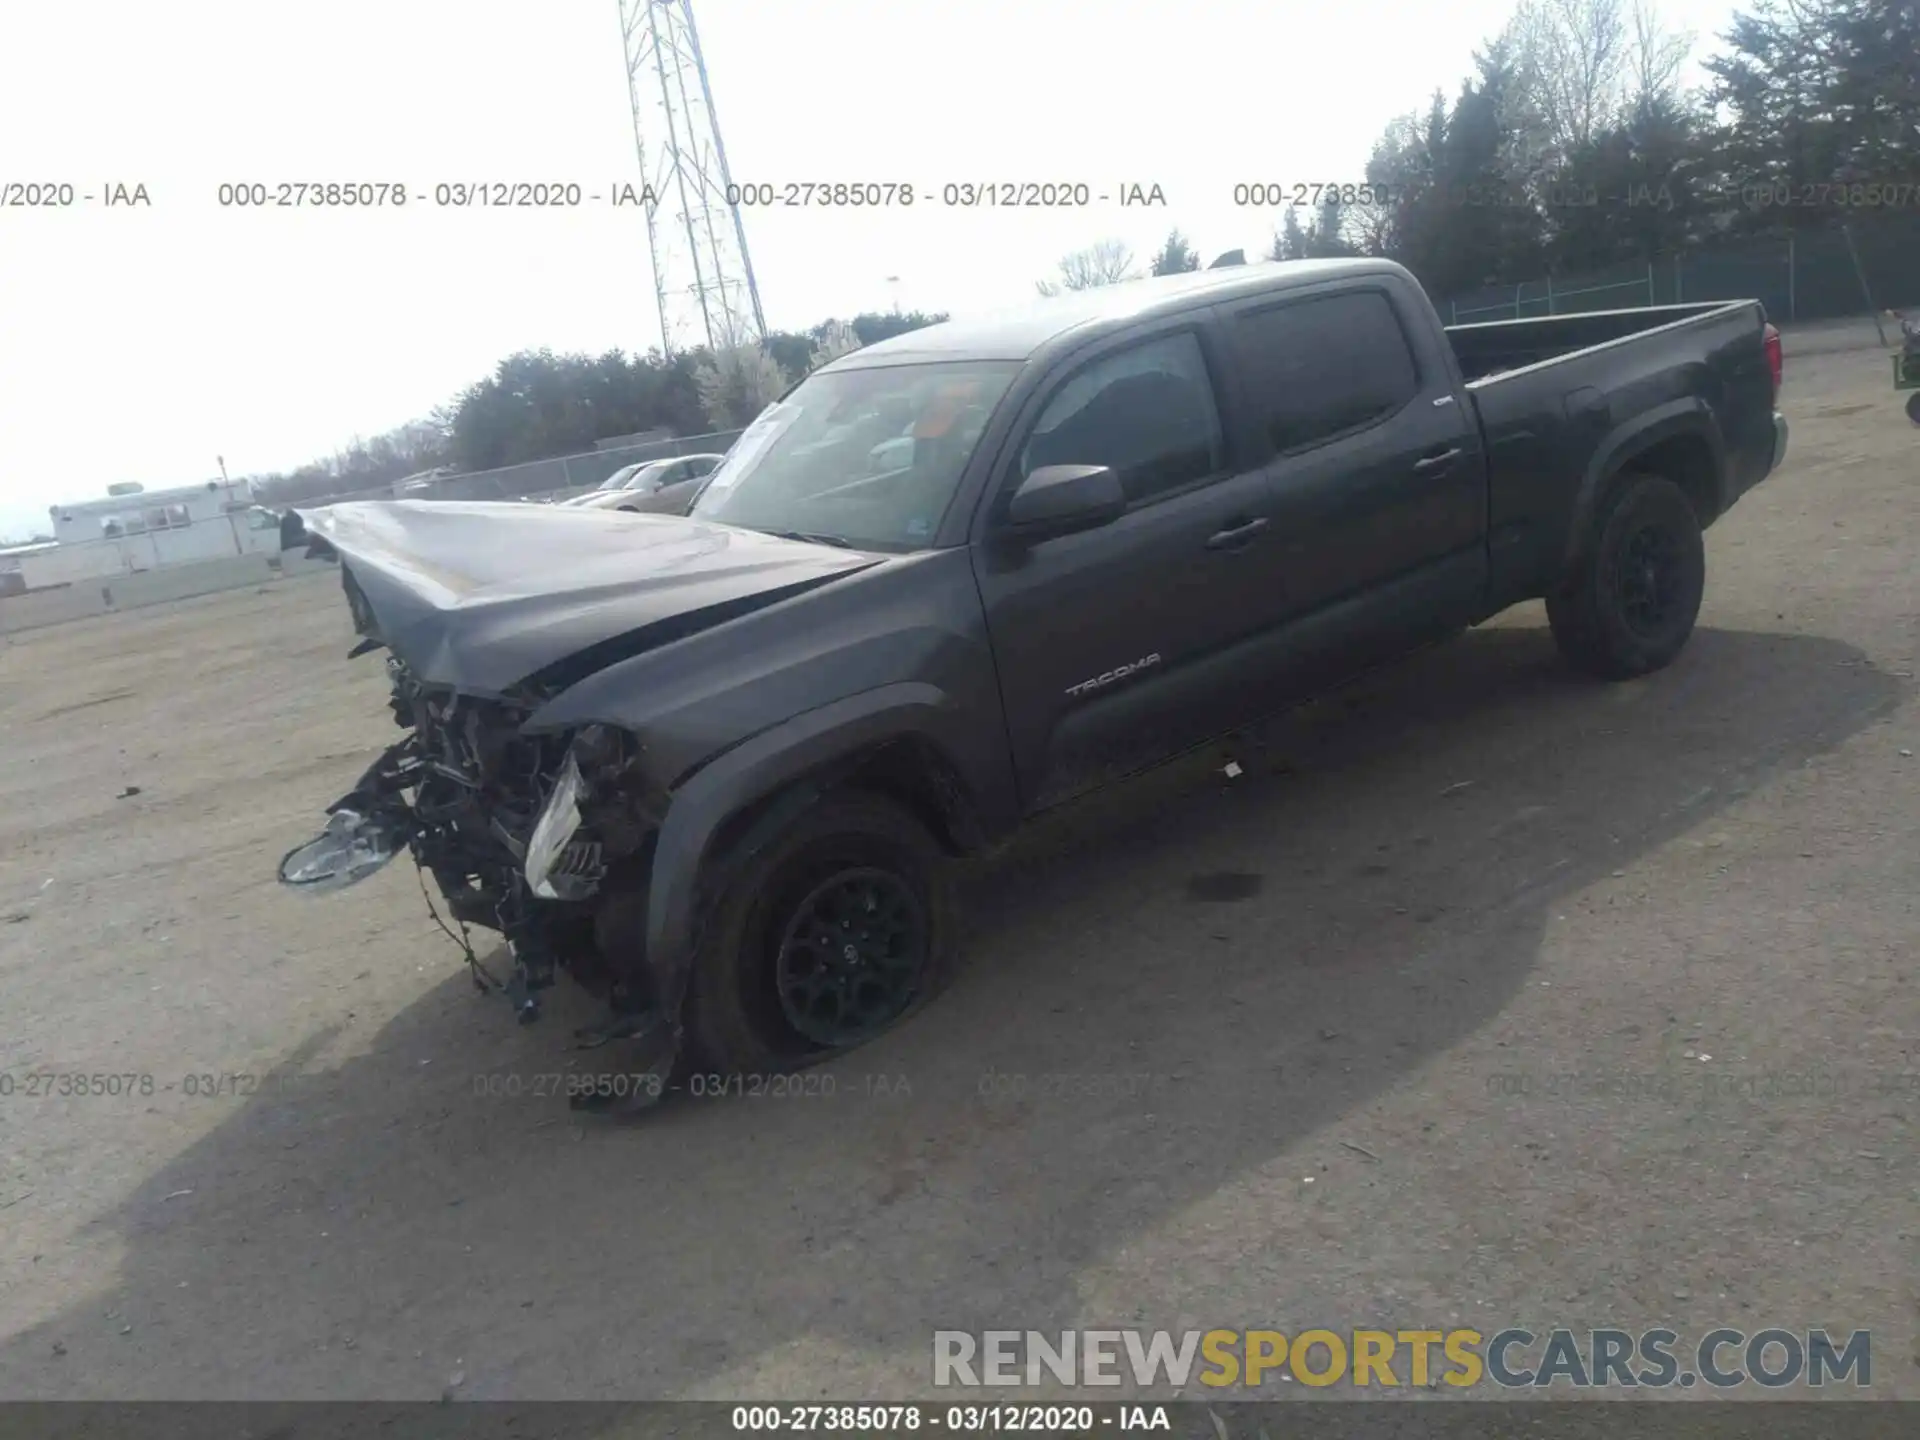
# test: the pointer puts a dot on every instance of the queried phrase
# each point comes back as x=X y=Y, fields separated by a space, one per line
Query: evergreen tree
x=1176 y=256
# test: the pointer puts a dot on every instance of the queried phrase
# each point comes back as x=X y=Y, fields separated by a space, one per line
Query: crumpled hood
x=479 y=595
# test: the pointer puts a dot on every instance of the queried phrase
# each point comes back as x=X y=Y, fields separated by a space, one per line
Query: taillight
x=1775 y=361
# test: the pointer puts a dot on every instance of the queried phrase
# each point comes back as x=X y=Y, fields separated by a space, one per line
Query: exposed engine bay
x=546 y=839
x=531 y=789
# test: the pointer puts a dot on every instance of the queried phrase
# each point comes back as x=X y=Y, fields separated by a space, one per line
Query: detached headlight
x=556 y=827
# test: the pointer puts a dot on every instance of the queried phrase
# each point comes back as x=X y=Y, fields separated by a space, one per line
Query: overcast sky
x=139 y=344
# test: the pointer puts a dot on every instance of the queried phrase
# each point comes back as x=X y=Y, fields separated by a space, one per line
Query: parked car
x=663 y=487
x=718 y=767
x=616 y=481
x=422 y=483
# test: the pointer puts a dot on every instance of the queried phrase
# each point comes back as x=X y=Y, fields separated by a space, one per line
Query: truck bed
x=1497 y=346
x=1556 y=397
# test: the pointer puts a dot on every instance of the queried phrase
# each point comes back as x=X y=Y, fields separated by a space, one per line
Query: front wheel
x=1633 y=599
x=835 y=932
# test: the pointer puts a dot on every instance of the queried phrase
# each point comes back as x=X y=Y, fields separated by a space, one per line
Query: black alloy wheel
x=1631 y=600
x=1648 y=577
x=823 y=936
x=851 y=956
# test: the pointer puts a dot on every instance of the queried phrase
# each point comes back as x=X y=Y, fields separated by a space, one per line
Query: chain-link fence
x=1825 y=274
x=537 y=480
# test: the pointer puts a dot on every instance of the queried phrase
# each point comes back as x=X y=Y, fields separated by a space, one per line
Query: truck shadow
x=1167 y=988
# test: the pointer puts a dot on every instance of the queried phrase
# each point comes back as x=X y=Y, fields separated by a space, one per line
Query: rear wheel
x=1913 y=407
x=1632 y=602
x=832 y=934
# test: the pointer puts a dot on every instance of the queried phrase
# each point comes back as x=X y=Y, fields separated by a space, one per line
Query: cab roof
x=1021 y=332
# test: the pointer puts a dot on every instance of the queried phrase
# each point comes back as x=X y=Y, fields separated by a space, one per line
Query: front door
x=668 y=493
x=1113 y=644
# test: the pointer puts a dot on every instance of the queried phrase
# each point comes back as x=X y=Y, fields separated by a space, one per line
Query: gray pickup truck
x=717 y=766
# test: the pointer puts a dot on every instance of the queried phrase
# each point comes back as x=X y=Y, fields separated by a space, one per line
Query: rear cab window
x=1325 y=366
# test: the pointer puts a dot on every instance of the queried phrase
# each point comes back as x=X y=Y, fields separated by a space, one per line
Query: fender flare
x=801 y=749
x=1688 y=416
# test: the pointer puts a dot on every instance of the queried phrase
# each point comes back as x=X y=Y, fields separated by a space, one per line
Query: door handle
x=1437 y=462
x=1236 y=535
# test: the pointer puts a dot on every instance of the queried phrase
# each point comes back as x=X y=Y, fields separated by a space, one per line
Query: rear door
x=1112 y=645
x=1379 y=496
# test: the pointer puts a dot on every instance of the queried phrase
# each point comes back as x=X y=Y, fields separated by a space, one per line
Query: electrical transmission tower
x=701 y=273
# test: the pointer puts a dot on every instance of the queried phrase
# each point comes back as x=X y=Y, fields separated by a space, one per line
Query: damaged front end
x=545 y=838
x=542 y=829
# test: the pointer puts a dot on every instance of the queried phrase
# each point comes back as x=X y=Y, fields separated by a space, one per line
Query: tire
x=1634 y=597
x=1913 y=407
x=847 y=849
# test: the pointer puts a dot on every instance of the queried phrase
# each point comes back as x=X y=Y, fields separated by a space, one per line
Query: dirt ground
x=1286 y=1050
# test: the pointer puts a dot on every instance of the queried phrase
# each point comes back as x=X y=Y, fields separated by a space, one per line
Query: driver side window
x=1146 y=412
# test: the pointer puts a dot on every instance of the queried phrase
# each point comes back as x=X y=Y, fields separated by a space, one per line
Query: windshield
x=647 y=476
x=619 y=478
x=868 y=458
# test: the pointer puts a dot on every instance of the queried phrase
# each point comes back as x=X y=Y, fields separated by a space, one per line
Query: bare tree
x=736 y=384
x=1573 y=58
x=1659 y=55
x=1104 y=263
x=1586 y=65
x=836 y=338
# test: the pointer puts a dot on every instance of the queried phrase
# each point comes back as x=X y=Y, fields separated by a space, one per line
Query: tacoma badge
x=1119 y=672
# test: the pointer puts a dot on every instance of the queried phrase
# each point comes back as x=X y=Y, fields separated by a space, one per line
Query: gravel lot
x=1313 y=1024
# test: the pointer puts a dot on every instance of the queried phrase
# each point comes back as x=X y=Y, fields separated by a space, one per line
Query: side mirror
x=1063 y=500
